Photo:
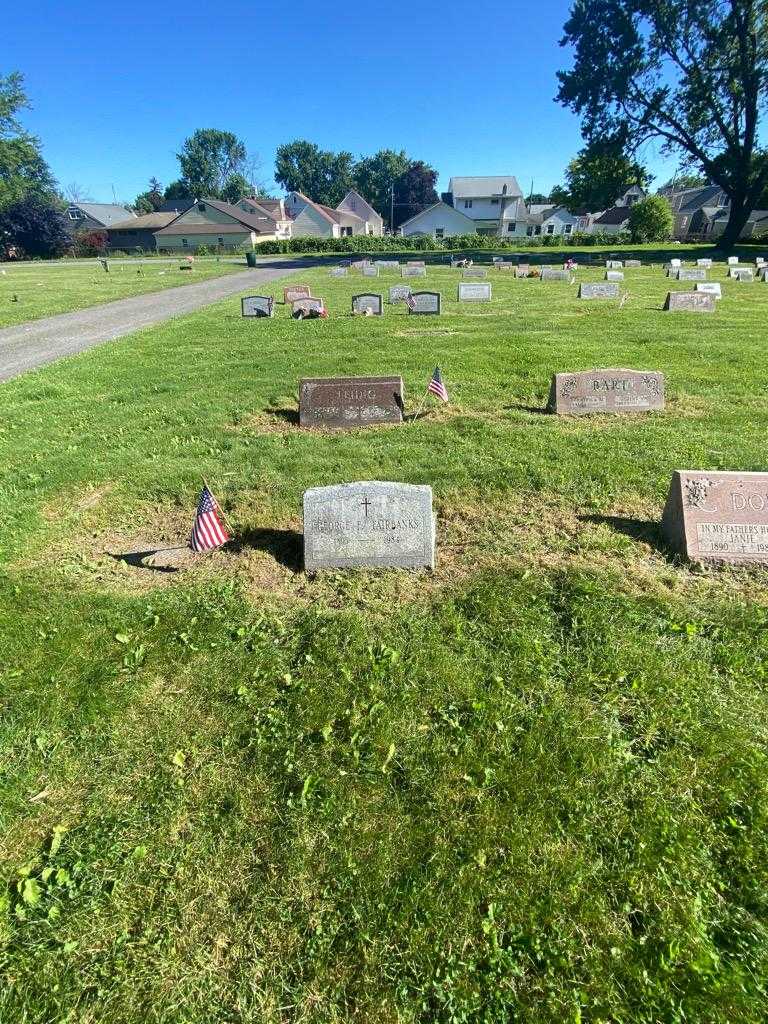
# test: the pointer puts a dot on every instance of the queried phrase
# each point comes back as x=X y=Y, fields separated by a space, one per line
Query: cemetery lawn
x=531 y=786
x=44 y=290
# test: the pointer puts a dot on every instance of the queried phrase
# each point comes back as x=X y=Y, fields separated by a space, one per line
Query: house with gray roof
x=137 y=233
x=218 y=225
x=494 y=203
x=84 y=217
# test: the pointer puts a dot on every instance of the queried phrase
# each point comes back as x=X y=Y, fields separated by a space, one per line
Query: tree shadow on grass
x=645 y=530
x=285 y=546
x=287 y=415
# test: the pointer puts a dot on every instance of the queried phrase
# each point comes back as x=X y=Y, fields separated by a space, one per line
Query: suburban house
x=84 y=217
x=495 y=203
x=612 y=222
x=138 y=232
x=354 y=203
x=440 y=221
x=175 y=205
x=547 y=219
x=756 y=226
x=218 y=225
x=632 y=195
x=695 y=210
x=310 y=218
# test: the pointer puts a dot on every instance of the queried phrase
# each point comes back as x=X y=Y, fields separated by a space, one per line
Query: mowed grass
x=531 y=786
x=29 y=291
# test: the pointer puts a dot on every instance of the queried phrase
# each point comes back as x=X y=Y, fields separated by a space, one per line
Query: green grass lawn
x=531 y=786
x=29 y=291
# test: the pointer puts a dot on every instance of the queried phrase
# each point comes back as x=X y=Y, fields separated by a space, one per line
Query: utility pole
x=392 y=207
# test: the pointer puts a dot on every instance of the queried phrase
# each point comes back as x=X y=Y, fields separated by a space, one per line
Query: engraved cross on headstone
x=365 y=503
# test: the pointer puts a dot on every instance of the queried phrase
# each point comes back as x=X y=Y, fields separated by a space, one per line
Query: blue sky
x=468 y=87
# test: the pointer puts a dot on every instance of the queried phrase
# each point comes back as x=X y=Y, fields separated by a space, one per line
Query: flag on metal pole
x=436 y=386
x=208 y=530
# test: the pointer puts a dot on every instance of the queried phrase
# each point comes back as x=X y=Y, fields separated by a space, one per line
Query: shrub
x=651 y=220
x=34 y=227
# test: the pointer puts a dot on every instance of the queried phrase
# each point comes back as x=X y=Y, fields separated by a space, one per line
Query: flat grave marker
x=425 y=303
x=350 y=402
x=410 y=271
x=691 y=274
x=604 y=391
x=339 y=272
x=370 y=271
x=710 y=288
x=373 y=524
x=691 y=302
x=474 y=272
x=550 y=274
x=368 y=301
x=257 y=305
x=474 y=292
x=718 y=516
x=599 y=290
x=296 y=291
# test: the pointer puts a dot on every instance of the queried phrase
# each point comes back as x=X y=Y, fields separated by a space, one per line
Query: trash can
x=250 y=259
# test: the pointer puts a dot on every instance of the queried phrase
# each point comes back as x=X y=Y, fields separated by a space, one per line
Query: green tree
x=34 y=225
x=683 y=181
x=151 y=200
x=235 y=187
x=560 y=196
x=375 y=176
x=537 y=198
x=414 y=190
x=651 y=220
x=323 y=176
x=690 y=73
x=208 y=158
x=179 y=189
x=23 y=171
x=600 y=175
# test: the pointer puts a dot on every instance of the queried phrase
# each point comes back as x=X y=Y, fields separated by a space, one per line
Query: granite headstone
x=603 y=391
x=691 y=302
x=599 y=290
x=350 y=401
x=425 y=303
x=368 y=301
x=257 y=305
x=474 y=292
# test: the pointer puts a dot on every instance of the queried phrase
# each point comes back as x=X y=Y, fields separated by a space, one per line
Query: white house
x=310 y=218
x=547 y=219
x=354 y=203
x=494 y=202
x=440 y=221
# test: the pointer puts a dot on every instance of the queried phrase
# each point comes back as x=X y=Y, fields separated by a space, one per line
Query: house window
x=550 y=229
x=184 y=242
x=439 y=232
x=568 y=229
x=512 y=226
x=220 y=240
x=75 y=215
x=467 y=204
x=346 y=232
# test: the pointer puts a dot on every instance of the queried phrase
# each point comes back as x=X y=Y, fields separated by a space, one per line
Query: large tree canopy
x=209 y=160
x=375 y=177
x=414 y=191
x=601 y=174
x=691 y=73
x=325 y=177
x=23 y=172
x=35 y=226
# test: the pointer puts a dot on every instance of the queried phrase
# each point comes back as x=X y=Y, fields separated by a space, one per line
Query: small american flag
x=436 y=385
x=208 y=531
x=410 y=301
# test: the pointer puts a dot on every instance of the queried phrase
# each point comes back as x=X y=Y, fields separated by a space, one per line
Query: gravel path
x=27 y=346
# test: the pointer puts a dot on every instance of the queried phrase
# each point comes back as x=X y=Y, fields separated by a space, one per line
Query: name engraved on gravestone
x=614 y=264
x=740 y=274
x=350 y=401
x=600 y=290
x=257 y=305
x=339 y=272
x=368 y=301
x=425 y=303
x=474 y=292
x=296 y=291
x=371 y=523
x=718 y=516
x=691 y=274
x=370 y=271
x=614 y=275
x=604 y=391
x=706 y=263
x=633 y=264
x=409 y=271
x=710 y=288
x=550 y=274
x=475 y=272
x=399 y=293
x=308 y=304
x=692 y=302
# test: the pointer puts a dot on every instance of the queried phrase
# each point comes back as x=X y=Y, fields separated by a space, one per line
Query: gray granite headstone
x=505 y=265
x=425 y=303
x=675 y=263
x=614 y=264
x=710 y=288
x=368 y=301
x=733 y=261
x=371 y=523
x=741 y=274
x=350 y=401
x=359 y=264
x=691 y=274
x=296 y=291
x=370 y=271
x=713 y=516
x=614 y=275
x=632 y=264
x=599 y=290
x=416 y=263
x=399 y=293
x=522 y=270
x=550 y=274
x=603 y=391
x=387 y=264
x=339 y=272
x=692 y=302
x=474 y=292
x=706 y=263
x=308 y=304
x=475 y=272
x=410 y=271
x=257 y=305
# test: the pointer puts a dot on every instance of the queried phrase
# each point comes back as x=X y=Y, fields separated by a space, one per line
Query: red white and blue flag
x=436 y=386
x=208 y=530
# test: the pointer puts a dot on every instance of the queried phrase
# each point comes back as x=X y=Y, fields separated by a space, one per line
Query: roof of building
x=478 y=187
x=434 y=206
x=538 y=208
x=105 y=213
x=175 y=205
x=274 y=207
x=698 y=197
x=616 y=215
x=251 y=221
x=146 y=222
x=351 y=198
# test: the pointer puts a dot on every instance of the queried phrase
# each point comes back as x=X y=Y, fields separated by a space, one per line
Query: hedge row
x=426 y=243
